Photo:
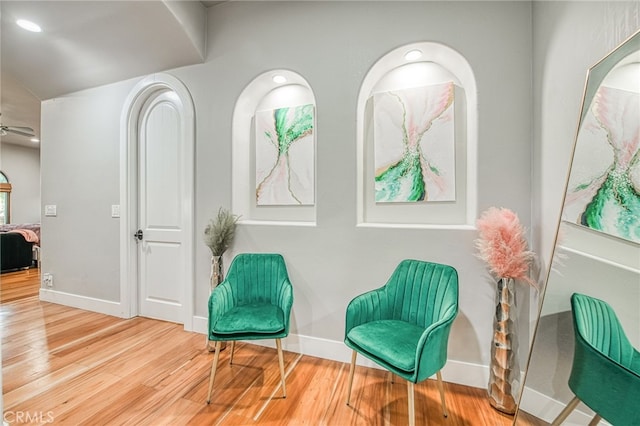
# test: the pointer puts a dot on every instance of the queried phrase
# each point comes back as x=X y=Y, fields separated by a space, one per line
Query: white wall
x=80 y=175
x=332 y=45
x=22 y=166
x=334 y=261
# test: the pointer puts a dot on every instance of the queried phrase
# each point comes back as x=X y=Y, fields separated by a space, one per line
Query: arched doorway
x=157 y=187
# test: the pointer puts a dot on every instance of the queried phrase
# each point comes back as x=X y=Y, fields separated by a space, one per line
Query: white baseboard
x=459 y=372
x=546 y=408
x=81 y=302
x=200 y=324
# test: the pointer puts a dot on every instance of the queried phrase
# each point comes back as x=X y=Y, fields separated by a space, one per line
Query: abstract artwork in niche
x=285 y=172
x=604 y=184
x=414 y=144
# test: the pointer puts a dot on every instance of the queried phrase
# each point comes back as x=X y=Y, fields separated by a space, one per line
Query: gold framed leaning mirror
x=597 y=249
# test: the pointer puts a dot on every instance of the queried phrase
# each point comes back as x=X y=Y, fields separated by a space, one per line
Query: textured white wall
x=22 y=167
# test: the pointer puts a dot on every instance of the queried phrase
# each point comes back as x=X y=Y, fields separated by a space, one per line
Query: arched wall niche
x=263 y=94
x=438 y=64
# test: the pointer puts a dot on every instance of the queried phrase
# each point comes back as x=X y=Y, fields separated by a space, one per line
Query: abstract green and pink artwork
x=285 y=156
x=604 y=184
x=414 y=144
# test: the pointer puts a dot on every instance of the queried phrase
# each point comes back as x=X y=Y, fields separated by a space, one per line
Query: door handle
x=138 y=235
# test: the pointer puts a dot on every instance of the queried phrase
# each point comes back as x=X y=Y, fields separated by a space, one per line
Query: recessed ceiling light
x=35 y=140
x=29 y=26
x=279 y=79
x=412 y=55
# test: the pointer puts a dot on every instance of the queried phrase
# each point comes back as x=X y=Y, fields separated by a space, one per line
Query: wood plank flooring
x=82 y=368
x=19 y=284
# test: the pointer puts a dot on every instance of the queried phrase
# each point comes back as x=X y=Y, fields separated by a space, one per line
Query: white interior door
x=161 y=250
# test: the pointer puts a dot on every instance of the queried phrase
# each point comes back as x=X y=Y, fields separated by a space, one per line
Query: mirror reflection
x=597 y=255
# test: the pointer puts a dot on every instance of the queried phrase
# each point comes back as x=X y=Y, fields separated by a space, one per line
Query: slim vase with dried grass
x=218 y=236
x=501 y=244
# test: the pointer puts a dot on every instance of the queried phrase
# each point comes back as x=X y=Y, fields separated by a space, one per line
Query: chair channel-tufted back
x=421 y=292
x=605 y=374
x=256 y=277
x=597 y=324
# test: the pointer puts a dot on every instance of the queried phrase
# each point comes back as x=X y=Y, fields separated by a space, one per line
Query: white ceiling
x=87 y=44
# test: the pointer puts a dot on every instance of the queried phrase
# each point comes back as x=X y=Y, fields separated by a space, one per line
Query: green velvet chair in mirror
x=252 y=303
x=404 y=326
x=605 y=374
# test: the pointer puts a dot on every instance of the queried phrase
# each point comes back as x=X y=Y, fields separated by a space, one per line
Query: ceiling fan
x=22 y=131
x=18 y=130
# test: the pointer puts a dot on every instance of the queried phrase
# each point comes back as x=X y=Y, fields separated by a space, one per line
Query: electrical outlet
x=47 y=279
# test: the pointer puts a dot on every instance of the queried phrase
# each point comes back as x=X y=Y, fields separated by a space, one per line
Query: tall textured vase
x=216 y=271
x=215 y=279
x=504 y=374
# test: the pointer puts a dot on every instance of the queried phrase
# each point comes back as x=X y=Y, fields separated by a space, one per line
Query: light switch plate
x=50 y=210
x=115 y=210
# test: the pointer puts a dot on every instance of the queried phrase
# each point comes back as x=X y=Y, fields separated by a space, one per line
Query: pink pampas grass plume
x=501 y=244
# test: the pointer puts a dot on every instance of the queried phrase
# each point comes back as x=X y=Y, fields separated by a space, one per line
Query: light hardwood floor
x=82 y=368
x=19 y=284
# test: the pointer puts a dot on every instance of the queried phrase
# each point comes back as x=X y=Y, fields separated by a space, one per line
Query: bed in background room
x=17 y=242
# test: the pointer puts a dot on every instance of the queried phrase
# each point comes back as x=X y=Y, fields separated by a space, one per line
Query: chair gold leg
x=595 y=420
x=441 y=389
x=412 y=410
x=567 y=410
x=233 y=347
x=214 y=366
x=352 y=369
x=281 y=362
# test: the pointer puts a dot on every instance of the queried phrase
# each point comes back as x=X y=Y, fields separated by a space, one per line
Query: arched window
x=5 y=199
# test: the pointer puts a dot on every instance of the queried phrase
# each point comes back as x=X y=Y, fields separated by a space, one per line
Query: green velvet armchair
x=404 y=325
x=605 y=374
x=252 y=303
